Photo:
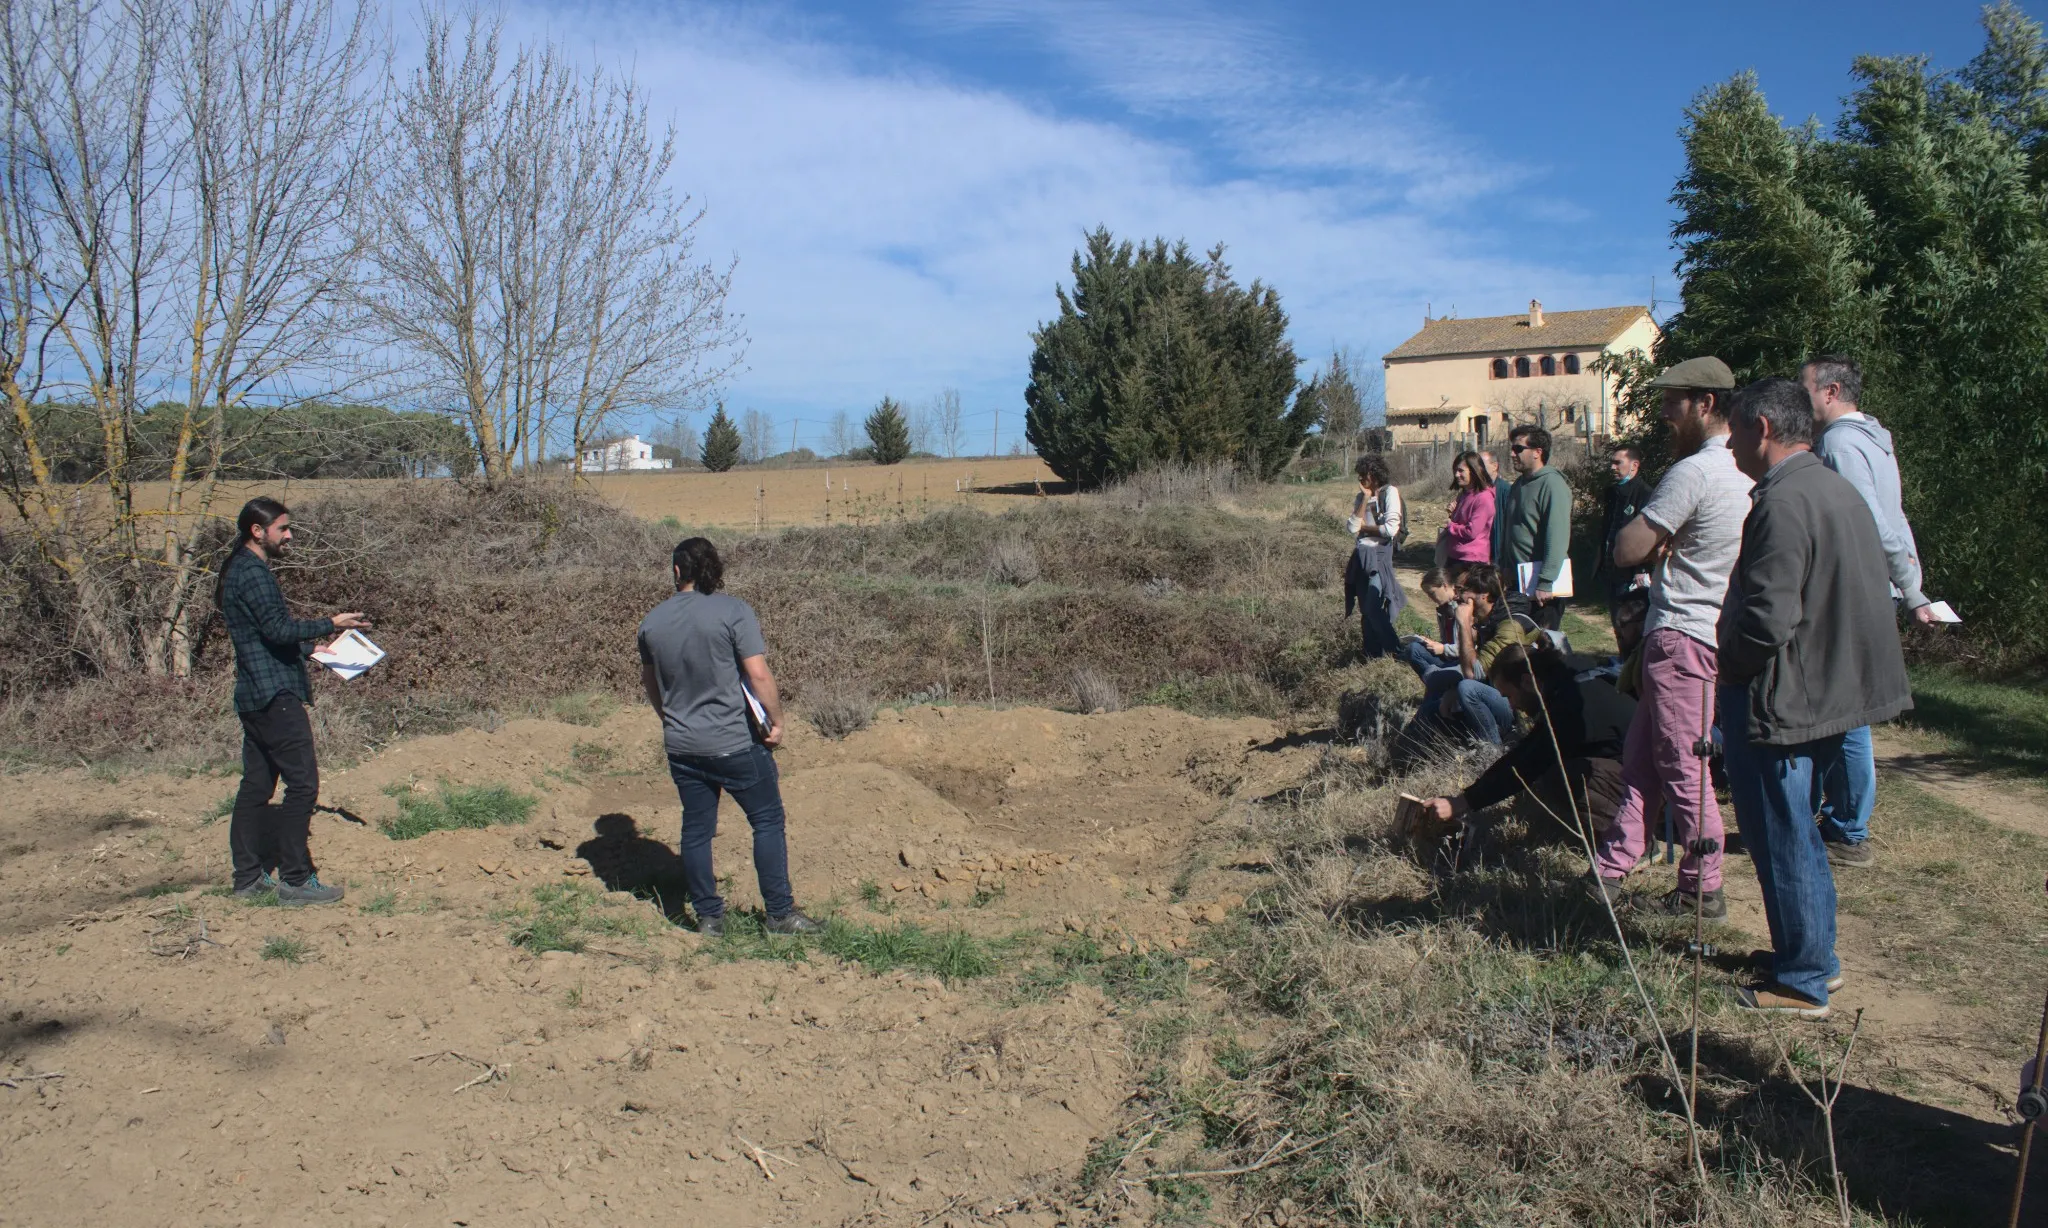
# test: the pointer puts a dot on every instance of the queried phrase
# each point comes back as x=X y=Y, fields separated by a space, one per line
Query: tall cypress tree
x=888 y=433
x=721 y=442
x=1158 y=357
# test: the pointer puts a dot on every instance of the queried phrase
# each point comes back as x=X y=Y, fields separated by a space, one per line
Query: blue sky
x=904 y=183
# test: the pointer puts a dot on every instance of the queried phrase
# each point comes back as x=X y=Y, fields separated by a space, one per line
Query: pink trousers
x=1676 y=709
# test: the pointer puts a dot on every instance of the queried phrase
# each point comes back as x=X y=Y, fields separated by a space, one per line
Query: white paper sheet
x=1525 y=579
x=350 y=655
x=1944 y=612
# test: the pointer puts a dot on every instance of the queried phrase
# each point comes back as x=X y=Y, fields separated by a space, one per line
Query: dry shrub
x=839 y=709
x=1466 y=1039
x=1177 y=485
x=1095 y=691
x=1013 y=562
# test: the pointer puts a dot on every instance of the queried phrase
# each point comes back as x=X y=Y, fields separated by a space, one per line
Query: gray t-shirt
x=1701 y=504
x=696 y=641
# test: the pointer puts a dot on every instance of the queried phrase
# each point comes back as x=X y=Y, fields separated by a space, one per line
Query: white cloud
x=899 y=230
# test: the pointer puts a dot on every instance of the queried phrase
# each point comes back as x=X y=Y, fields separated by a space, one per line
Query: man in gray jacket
x=1853 y=444
x=1808 y=651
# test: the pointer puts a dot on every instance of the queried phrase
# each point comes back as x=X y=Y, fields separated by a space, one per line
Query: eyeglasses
x=1516 y=447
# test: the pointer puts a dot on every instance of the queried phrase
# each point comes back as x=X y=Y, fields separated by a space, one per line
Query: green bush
x=453 y=808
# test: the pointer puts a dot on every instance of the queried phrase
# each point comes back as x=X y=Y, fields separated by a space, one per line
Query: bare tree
x=172 y=186
x=533 y=263
x=923 y=426
x=946 y=420
x=842 y=433
x=757 y=436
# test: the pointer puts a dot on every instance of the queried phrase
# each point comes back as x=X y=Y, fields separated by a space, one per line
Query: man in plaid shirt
x=271 y=694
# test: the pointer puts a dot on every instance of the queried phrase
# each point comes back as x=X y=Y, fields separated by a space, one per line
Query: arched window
x=1500 y=368
x=1571 y=364
x=1547 y=365
x=1521 y=368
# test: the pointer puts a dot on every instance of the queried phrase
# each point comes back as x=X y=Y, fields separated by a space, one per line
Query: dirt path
x=2019 y=805
x=633 y=1080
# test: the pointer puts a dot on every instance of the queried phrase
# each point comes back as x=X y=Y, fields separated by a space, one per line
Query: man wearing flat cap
x=1689 y=534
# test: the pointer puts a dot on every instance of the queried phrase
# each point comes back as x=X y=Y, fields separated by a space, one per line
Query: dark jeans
x=1488 y=717
x=276 y=742
x=1376 y=627
x=751 y=778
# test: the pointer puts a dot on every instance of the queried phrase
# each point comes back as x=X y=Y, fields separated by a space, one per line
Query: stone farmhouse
x=1470 y=381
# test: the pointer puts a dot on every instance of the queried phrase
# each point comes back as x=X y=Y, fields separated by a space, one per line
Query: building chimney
x=1535 y=314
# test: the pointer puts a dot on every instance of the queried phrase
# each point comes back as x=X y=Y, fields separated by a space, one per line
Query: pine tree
x=1157 y=357
x=721 y=442
x=888 y=433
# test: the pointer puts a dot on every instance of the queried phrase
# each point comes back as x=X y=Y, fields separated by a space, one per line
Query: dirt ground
x=746 y=497
x=634 y=1079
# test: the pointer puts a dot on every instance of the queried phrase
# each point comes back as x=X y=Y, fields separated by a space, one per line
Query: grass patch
x=583 y=708
x=952 y=955
x=156 y=890
x=567 y=916
x=591 y=756
x=286 y=949
x=453 y=808
x=221 y=810
x=1999 y=725
x=380 y=904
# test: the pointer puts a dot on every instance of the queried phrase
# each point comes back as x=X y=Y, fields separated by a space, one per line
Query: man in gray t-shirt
x=696 y=645
x=696 y=650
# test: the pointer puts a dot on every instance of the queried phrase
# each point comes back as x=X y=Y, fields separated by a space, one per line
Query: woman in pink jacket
x=1468 y=537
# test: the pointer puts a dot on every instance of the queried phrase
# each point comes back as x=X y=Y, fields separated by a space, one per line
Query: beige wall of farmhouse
x=1439 y=397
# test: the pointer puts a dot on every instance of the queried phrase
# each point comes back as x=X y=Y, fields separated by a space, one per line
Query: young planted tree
x=534 y=266
x=888 y=433
x=1157 y=358
x=721 y=443
x=174 y=179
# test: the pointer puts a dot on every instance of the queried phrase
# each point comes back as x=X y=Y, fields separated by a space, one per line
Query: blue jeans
x=751 y=778
x=1487 y=714
x=1423 y=661
x=1777 y=790
x=1850 y=791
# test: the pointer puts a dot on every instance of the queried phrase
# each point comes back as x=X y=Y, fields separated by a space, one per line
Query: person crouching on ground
x=1376 y=524
x=1808 y=651
x=1425 y=655
x=1575 y=736
x=1457 y=700
x=695 y=649
x=271 y=696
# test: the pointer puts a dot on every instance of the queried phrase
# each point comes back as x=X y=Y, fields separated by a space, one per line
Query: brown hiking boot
x=1680 y=903
x=1851 y=856
x=1778 y=1000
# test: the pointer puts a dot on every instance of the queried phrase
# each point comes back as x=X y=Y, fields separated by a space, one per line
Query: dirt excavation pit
x=398 y=1059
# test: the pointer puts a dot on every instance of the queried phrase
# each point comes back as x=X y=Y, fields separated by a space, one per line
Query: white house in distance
x=613 y=455
x=1472 y=380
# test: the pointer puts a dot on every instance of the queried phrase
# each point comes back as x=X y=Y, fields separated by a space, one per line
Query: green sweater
x=1539 y=520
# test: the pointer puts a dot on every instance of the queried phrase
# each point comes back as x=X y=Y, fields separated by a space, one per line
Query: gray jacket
x=1809 y=626
x=1861 y=450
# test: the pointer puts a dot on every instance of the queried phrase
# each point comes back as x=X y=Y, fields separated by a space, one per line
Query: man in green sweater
x=1538 y=516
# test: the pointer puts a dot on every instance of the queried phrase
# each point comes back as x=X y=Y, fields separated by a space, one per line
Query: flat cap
x=1708 y=373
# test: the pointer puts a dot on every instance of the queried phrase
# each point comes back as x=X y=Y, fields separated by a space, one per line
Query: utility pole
x=995 y=423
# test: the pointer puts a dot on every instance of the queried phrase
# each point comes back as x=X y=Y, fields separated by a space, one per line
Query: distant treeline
x=303 y=441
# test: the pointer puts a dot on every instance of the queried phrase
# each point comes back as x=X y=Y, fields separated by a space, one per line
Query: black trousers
x=277 y=742
x=1549 y=615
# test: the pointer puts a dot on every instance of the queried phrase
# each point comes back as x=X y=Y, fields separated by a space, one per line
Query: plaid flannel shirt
x=270 y=645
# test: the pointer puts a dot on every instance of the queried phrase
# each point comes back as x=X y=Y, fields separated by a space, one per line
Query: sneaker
x=1761 y=961
x=312 y=891
x=1778 y=1000
x=711 y=927
x=1858 y=854
x=261 y=885
x=1616 y=895
x=793 y=922
x=1679 y=903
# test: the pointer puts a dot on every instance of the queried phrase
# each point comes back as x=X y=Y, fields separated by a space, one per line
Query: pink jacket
x=1471 y=527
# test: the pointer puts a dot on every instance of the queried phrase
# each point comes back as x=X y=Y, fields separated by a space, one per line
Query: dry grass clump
x=1095 y=691
x=1013 y=562
x=839 y=709
x=1177 y=485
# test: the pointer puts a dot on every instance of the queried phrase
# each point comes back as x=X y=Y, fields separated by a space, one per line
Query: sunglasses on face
x=1517 y=448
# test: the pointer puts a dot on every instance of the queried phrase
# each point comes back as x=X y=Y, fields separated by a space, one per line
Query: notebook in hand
x=350 y=654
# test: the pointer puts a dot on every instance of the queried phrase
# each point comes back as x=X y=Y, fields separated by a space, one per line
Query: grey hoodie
x=1861 y=450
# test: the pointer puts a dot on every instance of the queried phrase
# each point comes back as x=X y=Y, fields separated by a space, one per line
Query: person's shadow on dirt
x=625 y=860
